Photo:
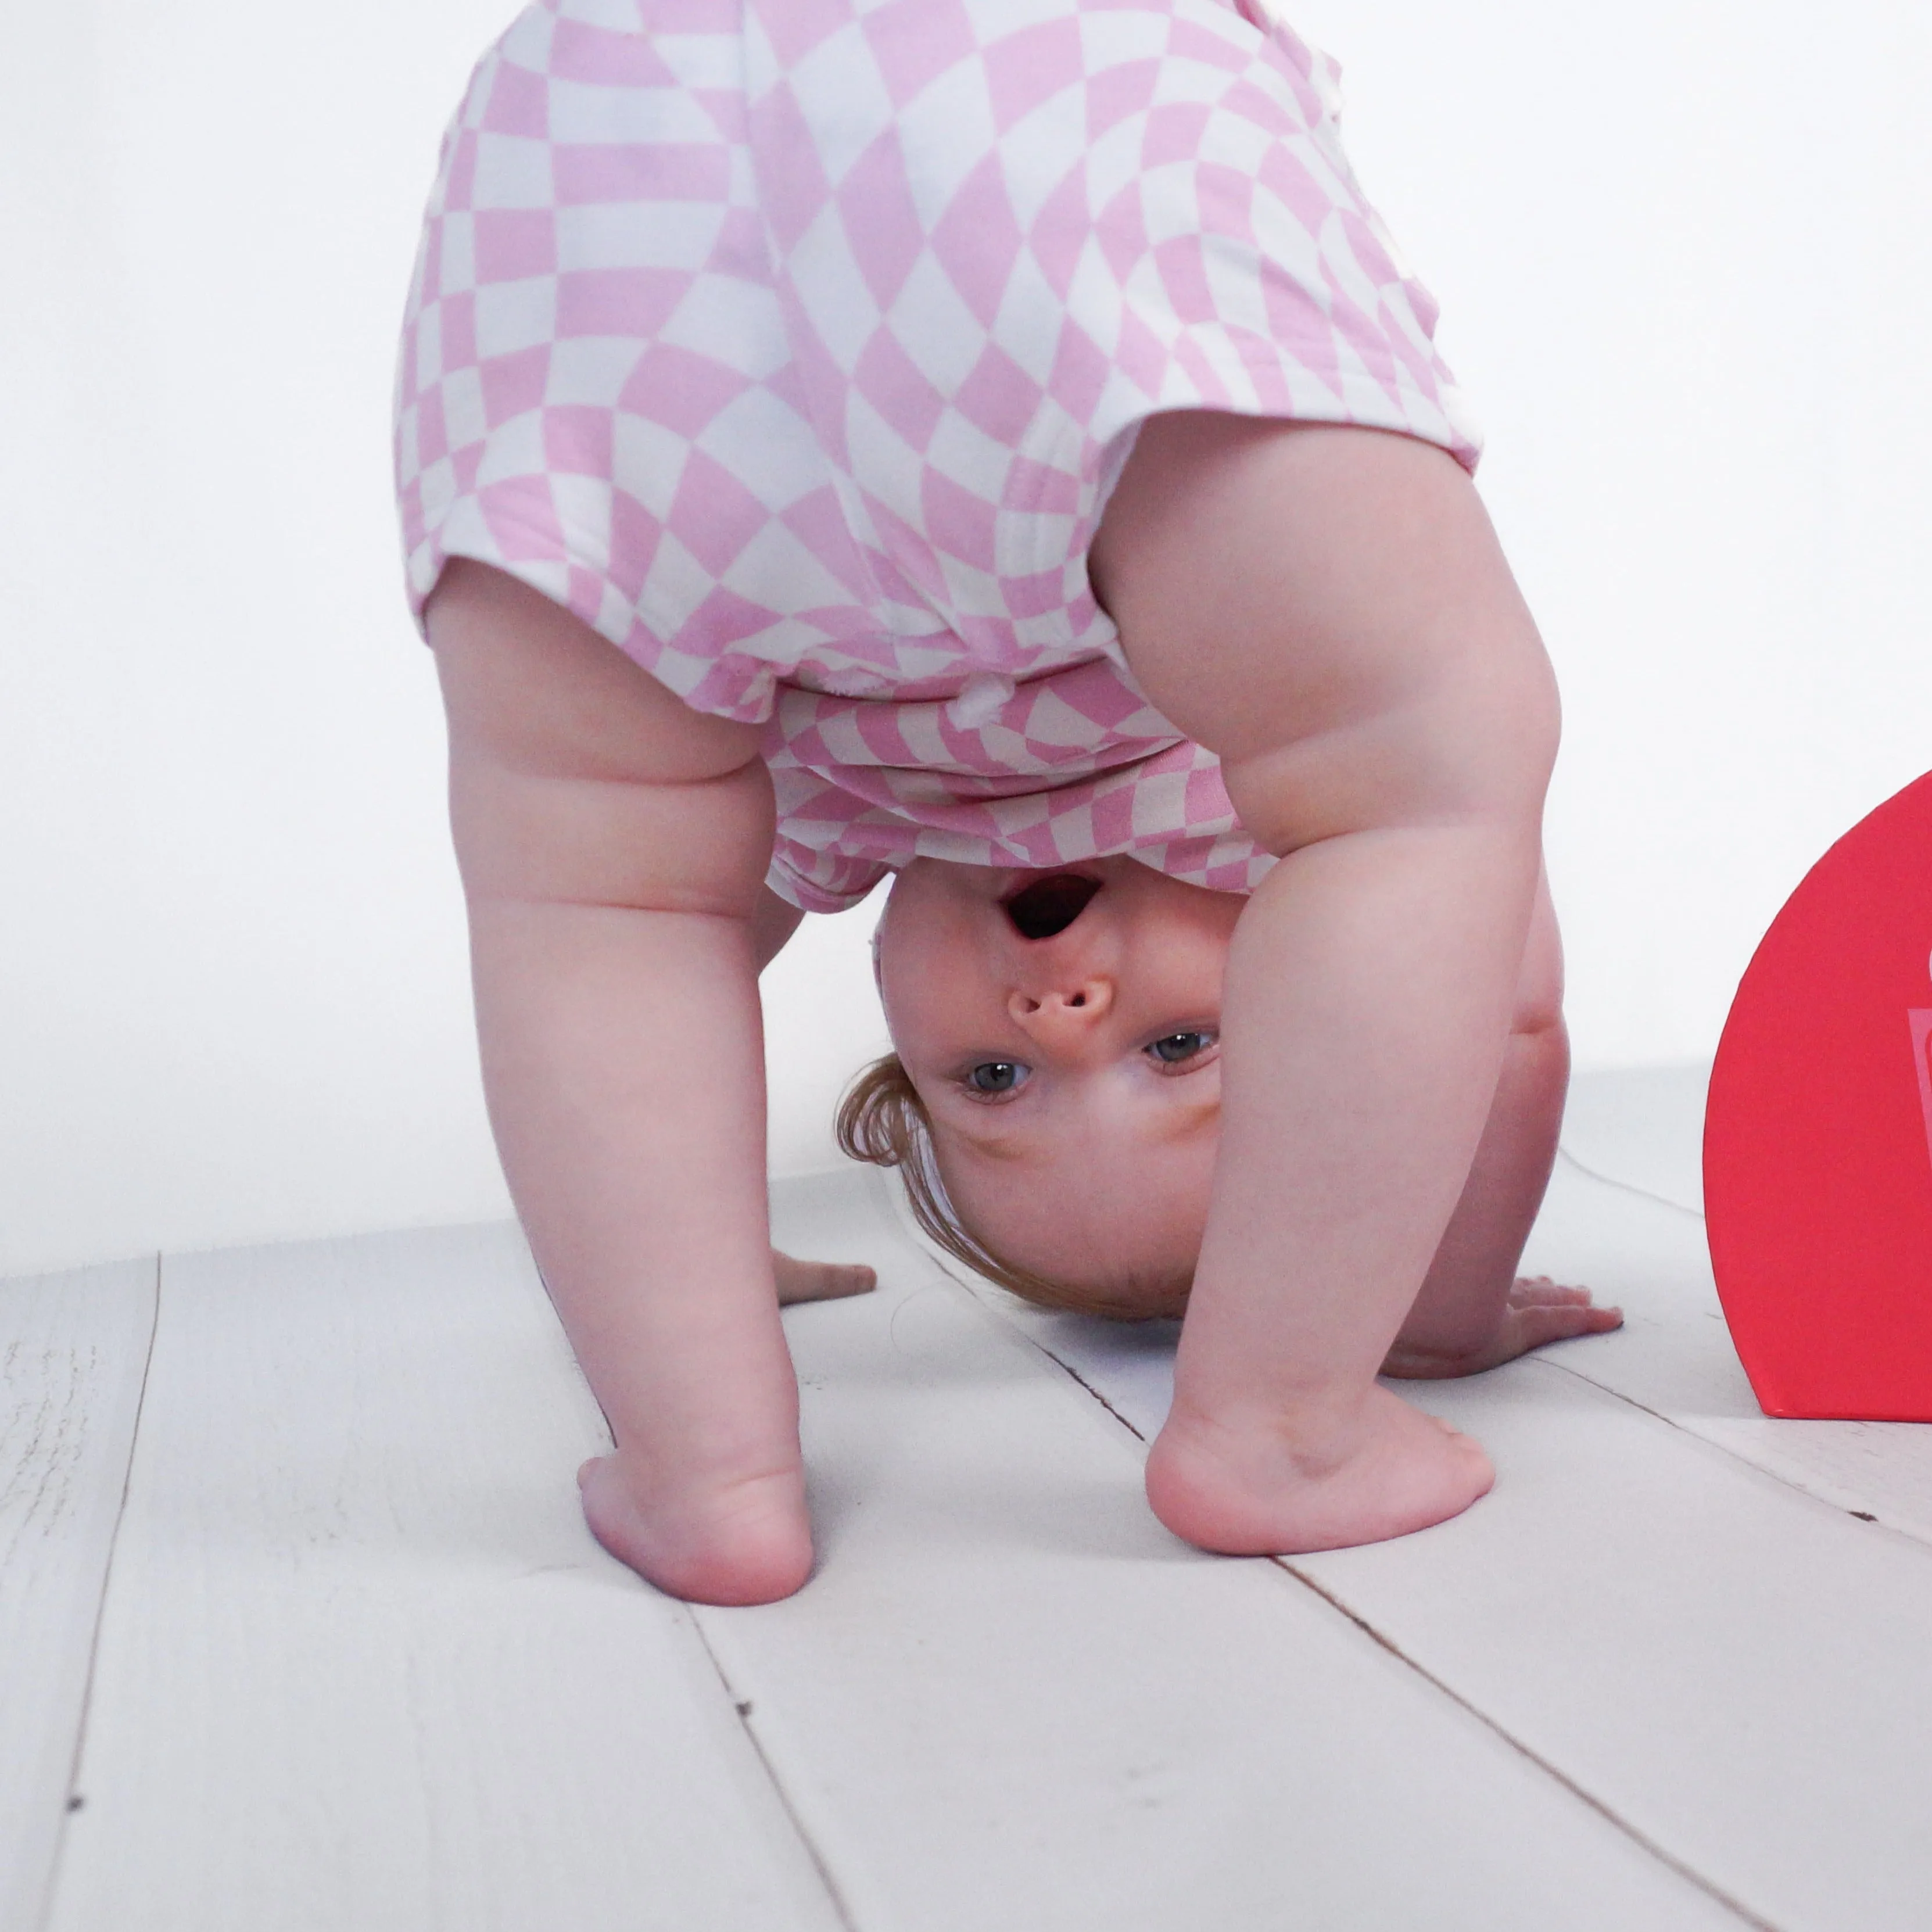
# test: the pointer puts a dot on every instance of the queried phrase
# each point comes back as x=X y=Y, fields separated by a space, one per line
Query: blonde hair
x=883 y=1121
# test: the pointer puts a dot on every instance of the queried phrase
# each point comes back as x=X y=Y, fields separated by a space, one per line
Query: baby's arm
x=1473 y=1313
x=613 y=844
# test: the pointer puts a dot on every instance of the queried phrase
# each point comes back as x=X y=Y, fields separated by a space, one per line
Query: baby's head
x=1054 y=1099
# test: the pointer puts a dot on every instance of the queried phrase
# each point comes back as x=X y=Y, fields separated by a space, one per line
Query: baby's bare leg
x=613 y=844
x=1327 y=609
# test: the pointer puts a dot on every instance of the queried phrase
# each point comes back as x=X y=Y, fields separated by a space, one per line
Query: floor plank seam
x=76 y=1799
x=1071 y=1371
x=985 y=1301
x=1689 y=1873
x=1738 y=1456
x=743 y=1707
x=1626 y=1187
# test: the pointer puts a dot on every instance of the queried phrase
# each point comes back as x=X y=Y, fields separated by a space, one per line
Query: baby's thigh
x=1329 y=605
x=529 y=683
x=575 y=774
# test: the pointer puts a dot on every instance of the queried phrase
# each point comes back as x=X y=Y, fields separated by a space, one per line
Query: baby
x=986 y=442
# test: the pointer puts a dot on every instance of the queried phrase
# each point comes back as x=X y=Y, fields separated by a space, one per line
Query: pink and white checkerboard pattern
x=794 y=345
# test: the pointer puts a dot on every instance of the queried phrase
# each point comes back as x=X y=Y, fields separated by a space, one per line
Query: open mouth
x=1050 y=905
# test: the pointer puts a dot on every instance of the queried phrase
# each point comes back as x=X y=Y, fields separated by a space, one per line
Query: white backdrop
x=1685 y=260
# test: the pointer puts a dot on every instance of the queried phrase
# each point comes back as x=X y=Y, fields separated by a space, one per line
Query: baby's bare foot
x=1382 y=1471
x=819 y=1281
x=746 y=1541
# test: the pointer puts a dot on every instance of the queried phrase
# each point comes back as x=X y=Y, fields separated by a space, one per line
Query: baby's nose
x=1062 y=1009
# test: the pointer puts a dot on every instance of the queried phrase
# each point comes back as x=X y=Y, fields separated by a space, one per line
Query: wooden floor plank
x=1641 y=1127
x=73 y=1349
x=1675 y=1357
x=1644 y=1130
x=1739 y=1671
x=360 y=1665
x=1651 y=1600
x=1009 y=1698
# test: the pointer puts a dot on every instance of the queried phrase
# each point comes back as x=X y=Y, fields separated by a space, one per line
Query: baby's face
x=1064 y=1030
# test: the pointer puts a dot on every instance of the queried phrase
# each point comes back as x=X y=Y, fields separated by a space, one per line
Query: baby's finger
x=1540 y=1291
x=819 y=1281
x=1560 y=1322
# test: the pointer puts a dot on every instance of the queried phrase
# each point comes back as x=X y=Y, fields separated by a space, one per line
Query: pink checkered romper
x=795 y=345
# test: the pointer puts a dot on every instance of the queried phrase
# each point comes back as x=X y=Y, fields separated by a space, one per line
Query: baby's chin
x=1119 y=1297
x=1126 y=1301
x=1087 y=1258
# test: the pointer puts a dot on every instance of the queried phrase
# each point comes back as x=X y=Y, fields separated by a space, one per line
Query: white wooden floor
x=299 y=1627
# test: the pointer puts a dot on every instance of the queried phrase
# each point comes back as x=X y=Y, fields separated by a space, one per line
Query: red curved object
x=1818 y=1134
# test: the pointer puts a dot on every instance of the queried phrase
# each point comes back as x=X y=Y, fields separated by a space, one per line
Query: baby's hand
x=1537 y=1311
x=819 y=1281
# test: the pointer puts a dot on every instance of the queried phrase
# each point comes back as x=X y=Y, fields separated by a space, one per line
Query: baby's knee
x=1537 y=1014
x=531 y=686
x=1471 y=748
x=1329 y=610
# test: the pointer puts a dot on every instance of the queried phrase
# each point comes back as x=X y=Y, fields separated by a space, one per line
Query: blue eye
x=996 y=1076
x=1176 y=1047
